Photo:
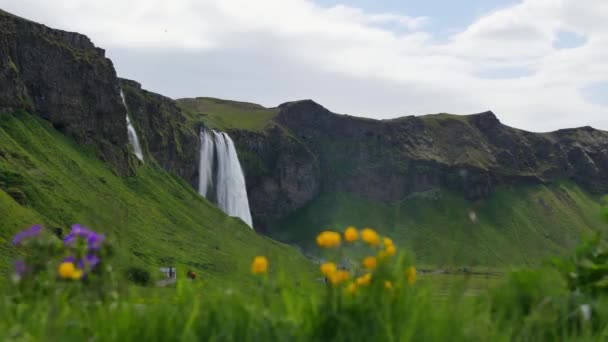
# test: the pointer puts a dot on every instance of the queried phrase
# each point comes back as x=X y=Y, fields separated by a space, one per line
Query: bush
x=139 y=276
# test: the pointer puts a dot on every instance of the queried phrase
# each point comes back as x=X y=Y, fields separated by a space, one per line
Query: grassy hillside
x=224 y=114
x=513 y=227
x=153 y=219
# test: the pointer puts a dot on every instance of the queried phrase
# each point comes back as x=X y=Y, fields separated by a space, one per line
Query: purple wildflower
x=20 y=267
x=92 y=260
x=69 y=259
x=94 y=240
x=26 y=234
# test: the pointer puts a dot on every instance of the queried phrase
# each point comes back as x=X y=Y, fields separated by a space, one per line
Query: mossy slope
x=514 y=226
x=153 y=219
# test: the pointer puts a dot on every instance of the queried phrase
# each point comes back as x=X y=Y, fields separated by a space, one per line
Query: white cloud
x=349 y=46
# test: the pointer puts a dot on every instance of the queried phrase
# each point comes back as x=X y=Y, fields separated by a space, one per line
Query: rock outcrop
x=389 y=160
x=164 y=132
x=62 y=77
x=282 y=174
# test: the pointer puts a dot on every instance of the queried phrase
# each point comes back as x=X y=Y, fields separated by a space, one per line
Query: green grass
x=512 y=227
x=224 y=115
x=152 y=218
x=528 y=305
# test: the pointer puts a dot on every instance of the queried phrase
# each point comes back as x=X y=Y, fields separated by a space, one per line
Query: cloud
x=374 y=64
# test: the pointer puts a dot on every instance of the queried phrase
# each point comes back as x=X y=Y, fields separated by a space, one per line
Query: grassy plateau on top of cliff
x=225 y=114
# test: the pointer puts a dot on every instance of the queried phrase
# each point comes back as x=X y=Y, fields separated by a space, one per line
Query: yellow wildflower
x=387 y=242
x=351 y=288
x=328 y=268
x=351 y=234
x=328 y=239
x=370 y=237
x=391 y=250
x=370 y=262
x=259 y=265
x=364 y=280
x=338 y=277
x=67 y=270
x=388 y=284
x=411 y=275
x=77 y=274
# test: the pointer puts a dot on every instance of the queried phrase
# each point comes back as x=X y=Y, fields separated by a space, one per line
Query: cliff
x=305 y=150
x=62 y=77
x=165 y=133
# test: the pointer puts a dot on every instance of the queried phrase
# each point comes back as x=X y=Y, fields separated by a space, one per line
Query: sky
x=539 y=65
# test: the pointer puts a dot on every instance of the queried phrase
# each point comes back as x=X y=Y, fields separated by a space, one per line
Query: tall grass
x=530 y=304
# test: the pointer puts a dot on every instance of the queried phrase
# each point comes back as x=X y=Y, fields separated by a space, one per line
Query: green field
x=152 y=218
x=225 y=115
x=519 y=226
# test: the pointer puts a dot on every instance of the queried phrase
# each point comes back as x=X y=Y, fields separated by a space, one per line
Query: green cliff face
x=62 y=77
x=303 y=164
x=419 y=178
x=152 y=218
x=166 y=133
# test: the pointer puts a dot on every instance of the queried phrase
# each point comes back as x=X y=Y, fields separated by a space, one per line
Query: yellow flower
x=328 y=239
x=364 y=280
x=411 y=275
x=328 y=268
x=387 y=242
x=351 y=288
x=370 y=237
x=77 y=274
x=370 y=262
x=338 y=277
x=67 y=270
x=259 y=265
x=388 y=284
x=351 y=234
x=391 y=250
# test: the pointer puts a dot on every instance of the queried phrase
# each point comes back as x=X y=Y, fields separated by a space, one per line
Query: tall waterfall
x=219 y=162
x=133 y=140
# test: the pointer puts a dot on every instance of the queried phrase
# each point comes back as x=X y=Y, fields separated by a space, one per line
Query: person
x=171 y=274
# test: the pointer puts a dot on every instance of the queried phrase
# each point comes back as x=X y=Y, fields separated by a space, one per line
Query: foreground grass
x=527 y=305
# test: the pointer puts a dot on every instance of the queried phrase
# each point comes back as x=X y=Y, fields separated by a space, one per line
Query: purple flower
x=20 y=267
x=94 y=240
x=92 y=260
x=69 y=259
x=26 y=234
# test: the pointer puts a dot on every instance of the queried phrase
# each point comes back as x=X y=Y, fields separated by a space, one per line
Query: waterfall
x=218 y=158
x=133 y=140
x=205 y=178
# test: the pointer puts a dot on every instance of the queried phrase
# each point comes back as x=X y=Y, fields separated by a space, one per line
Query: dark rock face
x=281 y=173
x=388 y=160
x=65 y=79
x=164 y=131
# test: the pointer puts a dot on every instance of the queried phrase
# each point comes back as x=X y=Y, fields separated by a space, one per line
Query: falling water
x=133 y=140
x=205 y=179
x=230 y=190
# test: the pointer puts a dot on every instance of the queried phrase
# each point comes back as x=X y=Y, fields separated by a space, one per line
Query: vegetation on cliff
x=154 y=219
